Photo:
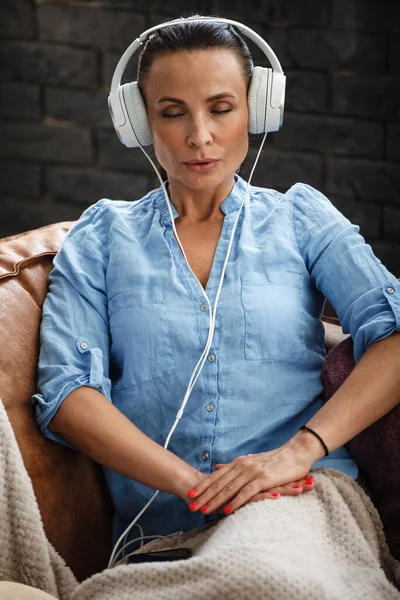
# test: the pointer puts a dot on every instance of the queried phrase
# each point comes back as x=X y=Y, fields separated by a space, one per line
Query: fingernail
x=227 y=510
x=191 y=492
x=297 y=486
x=309 y=479
x=204 y=508
x=193 y=505
x=275 y=495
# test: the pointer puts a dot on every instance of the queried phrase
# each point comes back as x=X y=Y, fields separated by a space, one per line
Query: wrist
x=186 y=478
x=306 y=444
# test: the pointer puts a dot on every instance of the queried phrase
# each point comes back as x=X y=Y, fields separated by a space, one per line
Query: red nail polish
x=297 y=486
x=204 y=508
x=309 y=480
x=193 y=505
x=227 y=510
x=275 y=495
x=191 y=492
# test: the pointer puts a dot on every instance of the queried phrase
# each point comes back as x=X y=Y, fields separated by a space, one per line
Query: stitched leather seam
x=23 y=261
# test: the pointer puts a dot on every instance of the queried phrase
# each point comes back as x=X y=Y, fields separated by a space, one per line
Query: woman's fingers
x=305 y=484
x=213 y=483
x=295 y=488
x=222 y=491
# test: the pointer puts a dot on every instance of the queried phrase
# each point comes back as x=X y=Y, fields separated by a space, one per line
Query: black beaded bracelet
x=319 y=437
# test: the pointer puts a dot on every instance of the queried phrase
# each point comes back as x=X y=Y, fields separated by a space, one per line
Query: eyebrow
x=211 y=99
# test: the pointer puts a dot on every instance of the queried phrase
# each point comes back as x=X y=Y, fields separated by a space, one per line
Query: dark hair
x=190 y=36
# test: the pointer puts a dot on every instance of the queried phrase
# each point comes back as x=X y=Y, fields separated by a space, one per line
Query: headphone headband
x=266 y=93
x=250 y=33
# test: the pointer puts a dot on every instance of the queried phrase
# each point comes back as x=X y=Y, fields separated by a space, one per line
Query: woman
x=125 y=321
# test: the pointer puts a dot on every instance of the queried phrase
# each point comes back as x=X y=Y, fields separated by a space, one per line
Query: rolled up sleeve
x=364 y=294
x=74 y=331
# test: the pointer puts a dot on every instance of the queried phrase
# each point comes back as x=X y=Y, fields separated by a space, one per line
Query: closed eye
x=218 y=112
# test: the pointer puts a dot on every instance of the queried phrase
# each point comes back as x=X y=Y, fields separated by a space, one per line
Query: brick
x=47 y=63
x=228 y=9
x=366 y=97
x=39 y=141
x=19 y=215
x=379 y=181
x=17 y=19
x=20 y=101
x=277 y=39
x=89 y=26
x=88 y=108
x=389 y=255
x=394 y=56
x=19 y=179
x=326 y=50
x=279 y=170
x=332 y=135
x=371 y=15
x=109 y=61
x=145 y=6
x=393 y=143
x=306 y=91
x=115 y=155
x=180 y=8
x=290 y=13
x=364 y=214
x=87 y=185
x=391 y=224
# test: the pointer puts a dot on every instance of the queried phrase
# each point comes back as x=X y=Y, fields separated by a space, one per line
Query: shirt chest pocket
x=141 y=347
x=275 y=322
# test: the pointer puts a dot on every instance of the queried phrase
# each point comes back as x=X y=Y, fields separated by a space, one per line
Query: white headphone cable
x=208 y=344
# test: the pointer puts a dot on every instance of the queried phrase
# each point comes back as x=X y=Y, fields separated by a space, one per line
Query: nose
x=200 y=133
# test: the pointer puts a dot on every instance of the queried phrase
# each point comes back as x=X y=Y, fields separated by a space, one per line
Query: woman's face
x=197 y=109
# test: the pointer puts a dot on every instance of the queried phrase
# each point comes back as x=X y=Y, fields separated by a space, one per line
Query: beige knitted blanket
x=324 y=545
x=26 y=555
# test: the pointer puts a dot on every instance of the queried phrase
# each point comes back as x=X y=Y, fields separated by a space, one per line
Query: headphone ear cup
x=137 y=113
x=257 y=99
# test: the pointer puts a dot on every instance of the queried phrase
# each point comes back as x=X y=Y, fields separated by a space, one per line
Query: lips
x=202 y=165
x=201 y=161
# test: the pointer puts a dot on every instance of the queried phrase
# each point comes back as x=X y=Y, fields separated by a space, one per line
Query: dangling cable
x=202 y=358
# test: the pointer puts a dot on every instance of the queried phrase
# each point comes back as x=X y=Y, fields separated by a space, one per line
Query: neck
x=199 y=205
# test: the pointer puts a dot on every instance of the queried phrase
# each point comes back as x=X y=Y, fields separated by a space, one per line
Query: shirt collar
x=231 y=203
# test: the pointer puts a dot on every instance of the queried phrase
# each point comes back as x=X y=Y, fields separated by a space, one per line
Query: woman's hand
x=294 y=488
x=249 y=479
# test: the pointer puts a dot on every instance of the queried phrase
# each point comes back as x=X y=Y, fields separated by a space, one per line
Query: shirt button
x=205 y=456
x=211 y=357
x=390 y=290
x=210 y=407
x=83 y=346
x=203 y=307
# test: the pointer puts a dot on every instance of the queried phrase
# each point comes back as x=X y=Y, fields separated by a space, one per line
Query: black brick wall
x=342 y=116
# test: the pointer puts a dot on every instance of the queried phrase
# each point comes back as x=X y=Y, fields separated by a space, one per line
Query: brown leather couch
x=70 y=488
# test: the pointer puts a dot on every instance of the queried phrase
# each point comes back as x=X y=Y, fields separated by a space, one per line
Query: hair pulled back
x=189 y=36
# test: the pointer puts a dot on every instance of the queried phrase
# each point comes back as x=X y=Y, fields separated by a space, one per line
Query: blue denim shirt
x=125 y=315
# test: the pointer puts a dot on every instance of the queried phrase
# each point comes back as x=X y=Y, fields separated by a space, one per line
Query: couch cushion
x=376 y=450
x=70 y=488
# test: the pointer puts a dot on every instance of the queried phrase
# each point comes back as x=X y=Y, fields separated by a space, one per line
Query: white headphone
x=266 y=95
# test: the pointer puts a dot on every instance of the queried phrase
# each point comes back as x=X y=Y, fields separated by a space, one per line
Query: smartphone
x=161 y=555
